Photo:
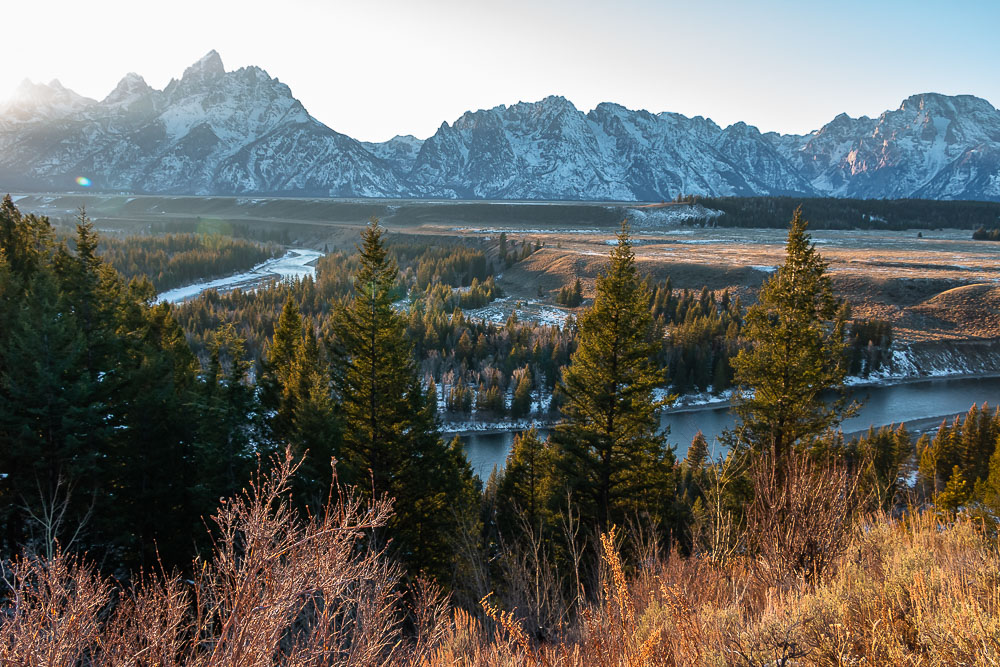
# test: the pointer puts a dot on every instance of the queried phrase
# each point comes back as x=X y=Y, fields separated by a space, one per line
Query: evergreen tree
x=151 y=453
x=797 y=352
x=697 y=454
x=25 y=241
x=880 y=456
x=988 y=491
x=277 y=394
x=228 y=423
x=524 y=486
x=927 y=478
x=956 y=493
x=297 y=394
x=391 y=442
x=49 y=419
x=314 y=426
x=94 y=291
x=521 y=403
x=611 y=453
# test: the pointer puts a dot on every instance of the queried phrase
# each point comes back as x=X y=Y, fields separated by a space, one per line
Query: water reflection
x=881 y=405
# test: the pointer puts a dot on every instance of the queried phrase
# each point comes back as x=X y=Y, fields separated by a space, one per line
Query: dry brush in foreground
x=279 y=589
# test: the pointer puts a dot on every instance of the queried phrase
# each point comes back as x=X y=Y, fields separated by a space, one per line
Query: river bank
x=698 y=403
x=295 y=263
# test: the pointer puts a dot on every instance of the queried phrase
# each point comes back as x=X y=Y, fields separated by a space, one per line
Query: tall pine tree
x=797 y=352
x=391 y=442
x=611 y=453
x=297 y=395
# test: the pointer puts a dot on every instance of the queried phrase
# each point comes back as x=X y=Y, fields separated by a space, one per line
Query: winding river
x=920 y=404
x=295 y=263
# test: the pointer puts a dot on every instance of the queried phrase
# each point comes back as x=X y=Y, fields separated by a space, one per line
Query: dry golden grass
x=905 y=592
x=280 y=591
x=922 y=285
x=968 y=311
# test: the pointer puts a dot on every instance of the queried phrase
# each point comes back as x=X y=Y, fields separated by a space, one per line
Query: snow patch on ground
x=521 y=230
x=500 y=310
x=471 y=426
x=909 y=363
x=708 y=397
x=666 y=216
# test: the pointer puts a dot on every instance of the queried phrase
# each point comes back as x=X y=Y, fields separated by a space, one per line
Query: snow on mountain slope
x=400 y=151
x=219 y=132
x=933 y=146
x=32 y=102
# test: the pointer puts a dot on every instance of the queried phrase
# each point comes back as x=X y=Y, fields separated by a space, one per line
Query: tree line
x=835 y=213
x=174 y=260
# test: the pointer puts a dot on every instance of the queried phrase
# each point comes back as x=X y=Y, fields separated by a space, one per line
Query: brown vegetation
x=283 y=590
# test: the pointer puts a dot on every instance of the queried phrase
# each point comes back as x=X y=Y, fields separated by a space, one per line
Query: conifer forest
x=260 y=476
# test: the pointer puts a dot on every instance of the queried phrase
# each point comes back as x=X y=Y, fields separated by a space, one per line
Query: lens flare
x=83 y=181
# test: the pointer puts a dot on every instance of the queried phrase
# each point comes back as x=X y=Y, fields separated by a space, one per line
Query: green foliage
x=296 y=392
x=880 y=458
x=50 y=413
x=524 y=489
x=969 y=443
x=870 y=344
x=391 y=444
x=571 y=297
x=229 y=420
x=797 y=351
x=452 y=266
x=25 y=241
x=180 y=259
x=521 y=404
x=611 y=454
x=702 y=337
x=510 y=254
x=95 y=387
x=837 y=213
x=956 y=493
x=697 y=454
x=988 y=490
x=459 y=398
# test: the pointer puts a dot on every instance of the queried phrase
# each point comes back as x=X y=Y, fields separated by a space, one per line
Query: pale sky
x=375 y=68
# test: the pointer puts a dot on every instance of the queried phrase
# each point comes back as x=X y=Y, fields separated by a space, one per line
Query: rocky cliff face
x=242 y=132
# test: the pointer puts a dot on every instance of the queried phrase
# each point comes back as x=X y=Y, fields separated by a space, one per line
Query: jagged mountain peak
x=40 y=101
x=29 y=90
x=131 y=88
x=947 y=104
x=739 y=128
x=209 y=65
x=550 y=103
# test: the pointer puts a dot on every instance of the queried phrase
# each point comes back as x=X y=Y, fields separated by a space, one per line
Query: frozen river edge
x=295 y=263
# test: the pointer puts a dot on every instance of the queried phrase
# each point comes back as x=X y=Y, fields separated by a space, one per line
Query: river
x=295 y=263
x=884 y=404
x=908 y=402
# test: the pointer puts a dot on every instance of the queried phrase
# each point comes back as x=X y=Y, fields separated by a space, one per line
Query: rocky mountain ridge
x=243 y=132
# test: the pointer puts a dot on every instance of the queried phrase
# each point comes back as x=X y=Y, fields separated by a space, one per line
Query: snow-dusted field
x=527 y=310
x=296 y=263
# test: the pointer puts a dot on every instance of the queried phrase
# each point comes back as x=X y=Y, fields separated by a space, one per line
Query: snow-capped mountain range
x=242 y=132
